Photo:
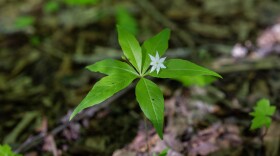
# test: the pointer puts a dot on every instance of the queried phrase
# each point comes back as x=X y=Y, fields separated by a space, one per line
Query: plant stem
x=147 y=135
x=262 y=135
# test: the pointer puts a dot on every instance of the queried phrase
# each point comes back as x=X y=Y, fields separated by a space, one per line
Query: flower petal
x=153 y=68
x=158 y=68
x=157 y=62
x=153 y=59
x=162 y=65
x=162 y=60
x=153 y=63
x=157 y=56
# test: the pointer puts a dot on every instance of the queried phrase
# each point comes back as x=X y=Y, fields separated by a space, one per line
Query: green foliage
x=126 y=20
x=151 y=102
x=121 y=74
x=35 y=40
x=131 y=48
x=262 y=114
x=24 y=21
x=104 y=89
x=5 y=150
x=51 y=6
x=81 y=2
x=164 y=152
x=110 y=66
x=177 y=68
x=196 y=80
x=158 y=43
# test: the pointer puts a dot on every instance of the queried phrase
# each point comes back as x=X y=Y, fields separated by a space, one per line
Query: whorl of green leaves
x=262 y=114
x=121 y=74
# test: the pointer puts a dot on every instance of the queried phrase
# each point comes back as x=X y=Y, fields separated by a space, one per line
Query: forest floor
x=45 y=45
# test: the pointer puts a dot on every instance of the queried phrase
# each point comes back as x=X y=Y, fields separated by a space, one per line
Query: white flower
x=157 y=62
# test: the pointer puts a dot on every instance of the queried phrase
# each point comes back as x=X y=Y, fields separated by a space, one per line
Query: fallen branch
x=157 y=16
x=224 y=66
x=88 y=113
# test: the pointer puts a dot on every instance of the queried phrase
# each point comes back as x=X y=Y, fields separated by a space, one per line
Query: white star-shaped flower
x=157 y=62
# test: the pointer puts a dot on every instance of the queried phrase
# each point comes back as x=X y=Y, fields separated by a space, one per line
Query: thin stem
x=147 y=135
x=263 y=135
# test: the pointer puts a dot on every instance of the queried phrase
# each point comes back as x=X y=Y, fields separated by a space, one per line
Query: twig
x=156 y=15
x=35 y=140
x=247 y=64
x=262 y=135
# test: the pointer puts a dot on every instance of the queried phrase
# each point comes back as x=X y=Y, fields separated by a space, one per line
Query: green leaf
x=5 y=150
x=126 y=20
x=164 y=152
x=104 y=89
x=157 y=43
x=151 y=102
x=110 y=66
x=261 y=114
x=177 y=67
x=130 y=48
x=196 y=80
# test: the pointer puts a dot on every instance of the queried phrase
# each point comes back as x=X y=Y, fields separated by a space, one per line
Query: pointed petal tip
x=153 y=68
x=153 y=59
x=162 y=59
x=162 y=66
x=157 y=56
x=158 y=69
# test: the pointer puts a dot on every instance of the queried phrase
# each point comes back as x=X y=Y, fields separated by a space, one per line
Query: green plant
x=163 y=153
x=24 y=21
x=137 y=65
x=51 y=6
x=5 y=150
x=80 y=2
x=126 y=20
x=196 y=80
x=34 y=40
x=262 y=114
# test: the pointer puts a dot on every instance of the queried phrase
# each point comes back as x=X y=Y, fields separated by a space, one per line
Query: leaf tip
x=218 y=75
x=161 y=136
x=72 y=116
x=74 y=113
x=88 y=67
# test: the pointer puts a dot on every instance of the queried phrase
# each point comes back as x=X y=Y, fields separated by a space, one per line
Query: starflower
x=157 y=62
